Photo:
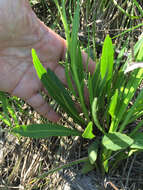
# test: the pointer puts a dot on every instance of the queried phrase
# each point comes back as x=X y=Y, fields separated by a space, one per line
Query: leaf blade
x=107 y=59
x=93 y=152
x=44 y=130
x=113 y=104
x=138 y=141
x=88 y=134
x=116 y=141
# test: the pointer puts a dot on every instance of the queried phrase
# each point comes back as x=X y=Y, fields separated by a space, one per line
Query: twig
x=112 y=185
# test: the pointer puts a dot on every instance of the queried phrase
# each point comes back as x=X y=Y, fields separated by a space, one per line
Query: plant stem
x=85 y=159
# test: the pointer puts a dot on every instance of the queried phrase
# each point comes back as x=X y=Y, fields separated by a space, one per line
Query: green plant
x=110 y=111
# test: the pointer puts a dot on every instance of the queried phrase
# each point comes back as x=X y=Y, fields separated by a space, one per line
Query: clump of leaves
x=111 y=89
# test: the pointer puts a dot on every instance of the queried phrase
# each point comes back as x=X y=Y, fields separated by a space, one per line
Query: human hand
x=20 y=31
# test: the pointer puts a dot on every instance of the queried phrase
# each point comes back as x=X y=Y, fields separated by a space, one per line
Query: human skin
x=20 y=31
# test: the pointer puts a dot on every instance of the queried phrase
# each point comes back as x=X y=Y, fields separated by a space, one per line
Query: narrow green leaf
x=136 y=129
x=73 y=48
x=76 y=59
x=126 y=93
x=116 y=141
x=79 y=161
x=130 y=113
x=139 y=57
x=44 y=130
x=74 y=35
x=94 y=115
x=128 y=30
x=68 y=75
x=140 y=53
x=79 y=64
x=137 y=48
x=61 y=9
x=107 y=58
x=96 y=80
x=138 y=141
x=6 y=121
x=93 y=152
x=90 y=89
x=124 y=11
x=56 y=89
x=5 y=105
x=138 y=5
x=113 y=104
x=102 y=87
x=61 y=95
x=13 y=114
x=88 y=134
x=87 y=167
x=37 y=64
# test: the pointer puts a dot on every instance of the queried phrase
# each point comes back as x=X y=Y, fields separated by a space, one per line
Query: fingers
x=55 y=47
x=41 y=106
x=85 y=58
x=60 y=72
x=28 y=89
x=91 y=64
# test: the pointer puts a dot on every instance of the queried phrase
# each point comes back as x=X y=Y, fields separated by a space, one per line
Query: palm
x=20 y=31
